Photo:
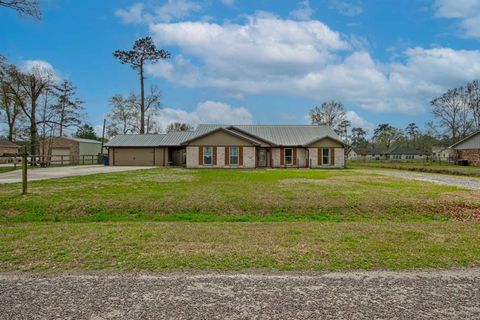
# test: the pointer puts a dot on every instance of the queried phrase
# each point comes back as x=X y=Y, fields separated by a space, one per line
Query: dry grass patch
x=152 y=246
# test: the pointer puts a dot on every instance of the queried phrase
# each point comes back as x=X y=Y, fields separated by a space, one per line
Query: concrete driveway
x=62 y=172
x=358 y=295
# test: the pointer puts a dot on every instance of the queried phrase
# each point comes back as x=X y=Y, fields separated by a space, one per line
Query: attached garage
x=147 y=149
x=133 y=156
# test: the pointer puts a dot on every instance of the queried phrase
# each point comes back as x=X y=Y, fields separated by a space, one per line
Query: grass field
x=6 y=168
x=170 y=219
x=431 y=167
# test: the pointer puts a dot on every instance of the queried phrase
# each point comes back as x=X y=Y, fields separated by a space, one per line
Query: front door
x=262 y=157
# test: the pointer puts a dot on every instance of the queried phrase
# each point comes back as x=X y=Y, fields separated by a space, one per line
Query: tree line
x=456 y=114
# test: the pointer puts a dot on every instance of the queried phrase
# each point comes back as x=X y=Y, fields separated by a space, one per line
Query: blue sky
x=259 y=61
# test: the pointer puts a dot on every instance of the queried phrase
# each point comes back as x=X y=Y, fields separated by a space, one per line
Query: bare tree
x=123 y=116
x=10 y=107
x=473 y=97
x=330 y=113
x=68 y=107
x=179 y=126
x=24 y=7
x=452 y=114
x=27 y=88
x=144 y=50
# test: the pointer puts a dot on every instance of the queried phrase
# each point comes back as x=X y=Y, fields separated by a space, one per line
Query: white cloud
x=357 y=121
x=303 y=12
x=170 y=10
x=466 y=11
x=211 y=112
x=346 y=8
x=306 y=58
x=174 y=9
x=229 y=3
x=134 y=14
x=40 y=67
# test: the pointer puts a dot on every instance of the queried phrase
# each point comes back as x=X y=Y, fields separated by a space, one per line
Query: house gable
x=326 y=142
x=221 y=137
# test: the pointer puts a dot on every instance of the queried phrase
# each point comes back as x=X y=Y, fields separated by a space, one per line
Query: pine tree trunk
x=142 y=102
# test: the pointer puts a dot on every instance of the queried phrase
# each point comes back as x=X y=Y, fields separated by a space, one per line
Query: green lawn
x=170 y=219
x=432 y=167
x=4 y=169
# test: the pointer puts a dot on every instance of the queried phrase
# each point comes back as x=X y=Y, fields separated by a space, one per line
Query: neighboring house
x=371 y=154
x=63 y=150
x=353 y=155
x=399 y=153
x=442 y=152
x=8 y=148
x=233 y=146
x=468 y=149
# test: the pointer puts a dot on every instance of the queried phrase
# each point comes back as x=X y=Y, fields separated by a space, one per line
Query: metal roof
x=281 y=135
x=7 y=143
x=83 y=140
x=136 y=140
x=470 y=142
x=407 y=150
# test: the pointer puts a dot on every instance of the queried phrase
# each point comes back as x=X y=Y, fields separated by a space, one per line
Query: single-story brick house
x=233 y=146
x=468 y=149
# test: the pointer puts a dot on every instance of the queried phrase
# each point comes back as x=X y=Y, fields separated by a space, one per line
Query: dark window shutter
x=319 y=156
x=294 y=156
x=227 y=156
x=240 y=156
x=282 y=156
x=214 y=156
x=200 y=156
x=332 y=156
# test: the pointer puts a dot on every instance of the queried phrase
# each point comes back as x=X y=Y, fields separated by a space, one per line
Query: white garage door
x=133 y=156
x=61 y=156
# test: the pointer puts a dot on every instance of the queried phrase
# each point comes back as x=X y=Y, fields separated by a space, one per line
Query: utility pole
x=103 y=133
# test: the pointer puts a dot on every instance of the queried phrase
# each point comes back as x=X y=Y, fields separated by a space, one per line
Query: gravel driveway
x=62 y=172
x=462 y=182
x=361 y=295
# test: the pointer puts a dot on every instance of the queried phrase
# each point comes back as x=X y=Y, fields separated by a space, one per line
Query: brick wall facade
x=249 y=158
x=472 y=155
x=339 y=158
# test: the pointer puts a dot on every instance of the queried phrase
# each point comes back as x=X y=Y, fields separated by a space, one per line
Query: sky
x=261 y=62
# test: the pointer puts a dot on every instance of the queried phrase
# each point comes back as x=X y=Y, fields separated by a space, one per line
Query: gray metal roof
x=282 y=135
x=83 y=140
x=170 y=139
x=470 y=142
x=136 y=140
x=407 y=150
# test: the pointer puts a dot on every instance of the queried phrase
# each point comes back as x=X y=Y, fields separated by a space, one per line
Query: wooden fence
x=53 y=160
